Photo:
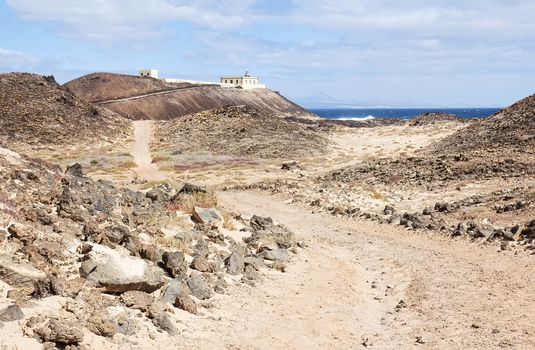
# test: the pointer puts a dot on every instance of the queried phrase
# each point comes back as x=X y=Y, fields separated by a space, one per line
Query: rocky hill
x=240 y=131
x=98 y=87
x=85 y=265
x=36 y=111
x=145 y=98
x=512 y=129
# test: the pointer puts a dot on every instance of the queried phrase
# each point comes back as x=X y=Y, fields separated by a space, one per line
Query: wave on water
x=369 y=117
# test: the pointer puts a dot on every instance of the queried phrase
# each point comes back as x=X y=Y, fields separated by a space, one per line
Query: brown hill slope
x=36 y=111
x=240 y=131
x=511 y=129
x=98 y=87
x=162 y=104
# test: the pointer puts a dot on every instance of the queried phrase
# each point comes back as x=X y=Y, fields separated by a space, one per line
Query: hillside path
x=156 y=93
x=145 y=169
x=360 y=285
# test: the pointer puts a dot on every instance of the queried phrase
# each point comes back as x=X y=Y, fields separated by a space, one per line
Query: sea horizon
x=363 y=113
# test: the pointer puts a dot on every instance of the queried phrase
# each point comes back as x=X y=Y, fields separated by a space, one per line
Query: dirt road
x=361 y=284
x=141 y=152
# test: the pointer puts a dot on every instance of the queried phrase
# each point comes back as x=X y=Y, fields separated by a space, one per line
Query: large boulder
x=117 y=273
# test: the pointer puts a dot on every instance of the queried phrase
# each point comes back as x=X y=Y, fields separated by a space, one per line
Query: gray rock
x=21 y=276
x=461 y=228
x=173 y=290
x=184 y=302
x=198 y=287
x=188 y=188
x=201 y=264
x=250 y=273
x=256 y=262
x=163 y=321
x=117 y=234
x=389 y=210
x=207 y=216
x=442 y=207
x=117 y=273
x=235 y=262
x=267 y=234
x=160 y=193
x=175 y=263
x=136 y=299
x=261 y=223
x=102 y=324
x=61 y=331
x=290 y=166
x=11 y=313
x=75 y=170
x=126 y=325
x=187 y=237
x=275 y=255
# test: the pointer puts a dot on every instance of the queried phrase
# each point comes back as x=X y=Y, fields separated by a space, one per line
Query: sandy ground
x=342 y=291
x=145 y=169
x=347 y=146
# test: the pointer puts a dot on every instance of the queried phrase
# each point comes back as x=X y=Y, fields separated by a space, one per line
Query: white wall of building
x=245 y=82
x=168 y=80
x=150 y=73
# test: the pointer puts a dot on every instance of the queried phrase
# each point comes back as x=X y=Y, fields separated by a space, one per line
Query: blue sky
x=365 y=52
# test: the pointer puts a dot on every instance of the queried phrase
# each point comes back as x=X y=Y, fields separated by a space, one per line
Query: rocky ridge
x=116 y=261
x=510 y=130
x=240 y=131
x=97 y=87
x=35 y=111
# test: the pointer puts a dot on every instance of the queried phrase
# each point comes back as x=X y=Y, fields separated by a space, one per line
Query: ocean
x=399 y=113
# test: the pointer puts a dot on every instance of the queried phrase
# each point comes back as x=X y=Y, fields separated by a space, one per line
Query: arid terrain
x=146 y=98
x=224 y=224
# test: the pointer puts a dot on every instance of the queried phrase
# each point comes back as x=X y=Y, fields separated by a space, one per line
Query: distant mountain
x=322 y=100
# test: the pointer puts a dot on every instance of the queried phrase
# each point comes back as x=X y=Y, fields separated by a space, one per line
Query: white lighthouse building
x=245 y=81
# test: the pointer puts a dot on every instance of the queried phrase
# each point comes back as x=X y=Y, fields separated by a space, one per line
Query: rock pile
x=424 y=170
x=117 y=259
x=430 y=118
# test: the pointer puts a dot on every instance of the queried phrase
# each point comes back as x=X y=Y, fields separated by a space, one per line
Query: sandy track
x=141 y=152
x=342 y=291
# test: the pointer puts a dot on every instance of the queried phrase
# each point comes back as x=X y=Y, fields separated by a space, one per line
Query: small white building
x=245 y=81
x=149 y=73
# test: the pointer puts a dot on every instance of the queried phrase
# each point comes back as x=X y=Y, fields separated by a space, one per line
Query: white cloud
x=15 y=59
x=110 y=20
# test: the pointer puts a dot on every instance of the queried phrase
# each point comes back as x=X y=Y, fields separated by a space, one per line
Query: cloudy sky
x=368 y=52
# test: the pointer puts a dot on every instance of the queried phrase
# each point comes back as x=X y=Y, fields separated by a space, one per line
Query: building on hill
x=245 y=81
x=149 y=73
